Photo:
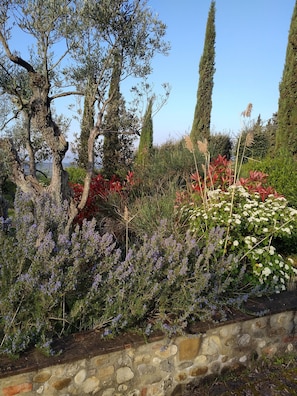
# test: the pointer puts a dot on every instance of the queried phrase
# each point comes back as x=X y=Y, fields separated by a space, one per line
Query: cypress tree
x=271 y=129
x=286 y=133
x=146 y=136
x=201 y=124
x=111 y=144
x=86 y=125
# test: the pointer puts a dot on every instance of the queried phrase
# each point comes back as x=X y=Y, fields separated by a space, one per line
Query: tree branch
x=15 y=59
x=26 y=183
x=62 y=94
x=59 y=60
x=10 y=119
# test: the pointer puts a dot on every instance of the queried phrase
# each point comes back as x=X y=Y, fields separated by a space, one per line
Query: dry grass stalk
x=127 y=219
x=249 y=140
x=189 y=144
x=190 y=147
x=248 y=111
x=126 y=215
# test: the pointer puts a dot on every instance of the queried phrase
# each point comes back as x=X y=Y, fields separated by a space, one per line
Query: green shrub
x=282 y=174
x=44 y=179
x=154 y=195
x=220 y=144
x=169 y=162
x=147 y=210
x=8 y=190
x=254 y=144
x=76 y=174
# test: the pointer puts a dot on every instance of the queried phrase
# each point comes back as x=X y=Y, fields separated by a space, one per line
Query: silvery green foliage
x=52 y=284
x=44 y=270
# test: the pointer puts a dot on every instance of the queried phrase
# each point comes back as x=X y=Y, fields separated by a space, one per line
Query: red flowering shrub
x=220 y=175
x=100 y=189
x=257 y=182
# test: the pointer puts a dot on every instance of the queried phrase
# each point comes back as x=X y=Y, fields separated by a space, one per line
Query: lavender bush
x=44 y=272
x=52 y=283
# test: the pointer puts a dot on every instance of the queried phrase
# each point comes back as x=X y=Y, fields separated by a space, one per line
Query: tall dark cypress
x=146 y=137
x=286 y=133
x=201 y=124
x=111 y=144
x=86 y=126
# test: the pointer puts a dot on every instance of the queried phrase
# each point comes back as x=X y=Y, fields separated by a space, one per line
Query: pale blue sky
x=251 y=42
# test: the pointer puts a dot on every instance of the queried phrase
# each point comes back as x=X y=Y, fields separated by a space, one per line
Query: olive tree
x=74 y=44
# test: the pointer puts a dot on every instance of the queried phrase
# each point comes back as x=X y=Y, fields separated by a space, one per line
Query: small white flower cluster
x=251 y=225
x=275 y=271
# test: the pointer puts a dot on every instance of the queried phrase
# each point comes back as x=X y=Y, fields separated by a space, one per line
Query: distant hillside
x=46 y=167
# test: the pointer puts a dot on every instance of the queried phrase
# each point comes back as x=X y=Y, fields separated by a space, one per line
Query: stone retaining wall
x=161 y=368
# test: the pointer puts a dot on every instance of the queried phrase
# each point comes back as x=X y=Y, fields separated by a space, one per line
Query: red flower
x=221 y=175
x=130 y=178
x=99 y=188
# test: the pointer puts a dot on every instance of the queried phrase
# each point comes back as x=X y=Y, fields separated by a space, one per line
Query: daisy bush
x=253 y=216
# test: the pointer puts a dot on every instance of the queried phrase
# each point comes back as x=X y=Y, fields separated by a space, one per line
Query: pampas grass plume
x=248 y=111
x=249 y=140
x=189 y=144
x=202 y=146
x=126 y=214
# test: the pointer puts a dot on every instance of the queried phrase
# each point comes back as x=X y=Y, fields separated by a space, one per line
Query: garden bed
x=89 y=344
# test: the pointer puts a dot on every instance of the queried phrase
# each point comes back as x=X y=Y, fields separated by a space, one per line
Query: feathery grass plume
x=249 y=140
x=248 y=111
x=202 y=146
x=126 y=214
x=189 y=143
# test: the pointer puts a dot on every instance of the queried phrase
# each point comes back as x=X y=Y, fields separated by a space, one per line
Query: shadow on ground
x=270 y=377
